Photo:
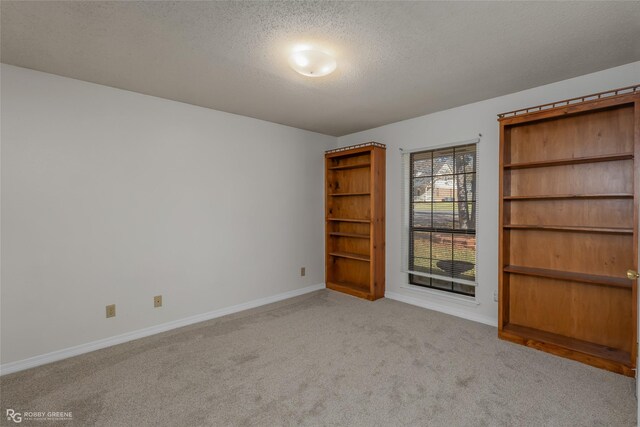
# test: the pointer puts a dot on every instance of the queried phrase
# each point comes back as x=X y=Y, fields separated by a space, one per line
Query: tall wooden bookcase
x=355 y=220
x=569 y=188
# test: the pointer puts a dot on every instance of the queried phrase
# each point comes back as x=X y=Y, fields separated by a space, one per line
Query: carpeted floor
x=325 y=359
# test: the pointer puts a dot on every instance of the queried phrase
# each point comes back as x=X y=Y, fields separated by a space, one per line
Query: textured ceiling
x=396 y=60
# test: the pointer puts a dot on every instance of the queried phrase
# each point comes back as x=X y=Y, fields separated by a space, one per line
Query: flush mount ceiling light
x=312 y=62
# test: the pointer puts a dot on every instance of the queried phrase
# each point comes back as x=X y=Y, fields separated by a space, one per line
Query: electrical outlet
x=495 y=296
x=303 y=271
x=157 y=301
x=111 y=310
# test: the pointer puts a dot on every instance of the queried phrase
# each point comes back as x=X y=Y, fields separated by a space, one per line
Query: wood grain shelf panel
x=591 y=353
x=355 y=166
x=570 y=276
x=572 y=196
x=348 y=194
x=350 y=255
x=355 y=235
x=355 y=289
x=568 y=229
x=606 y=230
x=572 y=161
x=349 y=220
x=355 y=220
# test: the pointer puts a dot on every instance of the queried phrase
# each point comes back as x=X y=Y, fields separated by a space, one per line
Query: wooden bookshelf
x=355 y=220
x=569 y=188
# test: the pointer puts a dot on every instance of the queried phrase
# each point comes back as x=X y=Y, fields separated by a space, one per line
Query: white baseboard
x=54 y=356
x=442 y=308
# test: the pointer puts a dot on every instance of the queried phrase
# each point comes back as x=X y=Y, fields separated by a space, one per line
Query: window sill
x=443 y=295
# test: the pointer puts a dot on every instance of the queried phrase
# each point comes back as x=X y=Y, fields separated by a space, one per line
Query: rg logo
x=14 y=416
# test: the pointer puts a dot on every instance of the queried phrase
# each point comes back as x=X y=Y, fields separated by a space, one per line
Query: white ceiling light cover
x=312 y=62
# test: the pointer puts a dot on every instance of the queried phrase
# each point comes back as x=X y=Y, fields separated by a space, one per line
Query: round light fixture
x=312 y=62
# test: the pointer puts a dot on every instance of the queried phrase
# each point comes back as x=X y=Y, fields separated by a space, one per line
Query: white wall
x=110 y=196
x=458 y=124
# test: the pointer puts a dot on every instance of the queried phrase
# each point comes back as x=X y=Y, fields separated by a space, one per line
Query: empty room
x=319 y=213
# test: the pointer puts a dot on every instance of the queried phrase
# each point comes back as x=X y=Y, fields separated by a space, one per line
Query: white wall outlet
x=495 y=296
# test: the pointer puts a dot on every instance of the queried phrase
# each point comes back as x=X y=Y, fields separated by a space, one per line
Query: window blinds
x=439 y=211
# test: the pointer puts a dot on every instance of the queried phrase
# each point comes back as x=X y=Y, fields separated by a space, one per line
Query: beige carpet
x=325 y=359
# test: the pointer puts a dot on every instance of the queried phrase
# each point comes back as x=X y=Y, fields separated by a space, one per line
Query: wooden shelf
x=367 y=221
x=356 y=166
x=348 y=194
x=350 y=255
x=354 y=214
x=607 y=230
x=572 y=276
x=559 y=344
x=355 y=235
x=355 y=289
x=572 y=196
x=567 y=203
x=572 y=161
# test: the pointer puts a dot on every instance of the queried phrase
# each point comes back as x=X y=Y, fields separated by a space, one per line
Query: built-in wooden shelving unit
x=569 y=188
x=355 y=220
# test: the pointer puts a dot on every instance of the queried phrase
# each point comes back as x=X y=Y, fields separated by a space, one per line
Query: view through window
x=442 y=219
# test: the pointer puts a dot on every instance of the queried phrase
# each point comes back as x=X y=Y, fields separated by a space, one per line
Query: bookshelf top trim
x=629 y=90
x=352 y=147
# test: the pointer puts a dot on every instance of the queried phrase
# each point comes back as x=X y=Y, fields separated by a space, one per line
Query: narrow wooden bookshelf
x=568 y=228
x=355 y=220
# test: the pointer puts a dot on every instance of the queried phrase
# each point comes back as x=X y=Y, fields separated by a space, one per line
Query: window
x=441 y=217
